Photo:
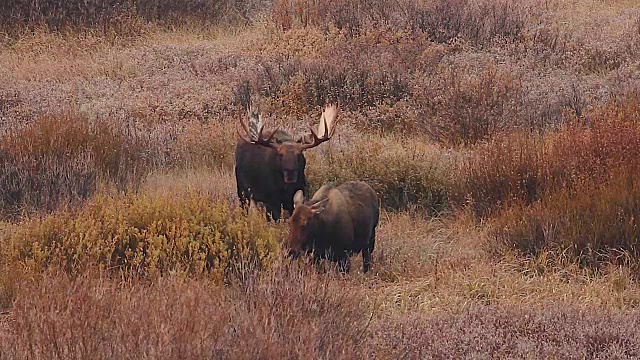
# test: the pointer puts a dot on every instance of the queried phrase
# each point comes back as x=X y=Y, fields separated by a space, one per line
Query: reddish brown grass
x=62 y=159
x=487 y=128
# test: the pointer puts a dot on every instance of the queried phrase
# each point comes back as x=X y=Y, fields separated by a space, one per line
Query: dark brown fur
x=337 y=222
x=260 y=173
x=270 y=169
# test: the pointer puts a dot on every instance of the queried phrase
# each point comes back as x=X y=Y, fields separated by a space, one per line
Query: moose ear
x=298 y=198
x=319 y=207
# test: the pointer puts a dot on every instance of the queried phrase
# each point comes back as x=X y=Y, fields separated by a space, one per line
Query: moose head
x=290 y=152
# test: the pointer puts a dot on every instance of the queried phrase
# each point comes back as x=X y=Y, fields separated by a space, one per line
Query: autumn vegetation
x=502 y=138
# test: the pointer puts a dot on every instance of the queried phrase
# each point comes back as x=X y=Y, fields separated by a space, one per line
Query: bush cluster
x=593 y=225
x=478 y=22
x=402 y=176
x=58 y=159
x=298 y=76
x=572 y=193
x=461 y=107
x=144 y=235
x=123 y=15
x=521 y=167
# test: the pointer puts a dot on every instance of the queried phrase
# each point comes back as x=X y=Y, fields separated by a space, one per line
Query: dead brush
x=59 y=159
x=521 y=167
x=585 y=202
x=298 y=86
x=288 y=311
x=463 y=108
x=478 y=22
x=590 y=225
x=123 y=17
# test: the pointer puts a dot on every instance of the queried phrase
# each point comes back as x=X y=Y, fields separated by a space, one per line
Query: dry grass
x=486 y=127
x=289 y=313
x=63 y=159
x=402 y=175
x=452 y=292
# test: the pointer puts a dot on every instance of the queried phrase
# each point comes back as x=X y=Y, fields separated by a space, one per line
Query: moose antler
x=326 y=127
x=256 y=137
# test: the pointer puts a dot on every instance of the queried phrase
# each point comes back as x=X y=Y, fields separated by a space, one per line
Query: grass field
x=502 y=137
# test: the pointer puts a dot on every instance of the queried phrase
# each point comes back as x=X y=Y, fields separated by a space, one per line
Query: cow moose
x=337 y=222
x=270 y=165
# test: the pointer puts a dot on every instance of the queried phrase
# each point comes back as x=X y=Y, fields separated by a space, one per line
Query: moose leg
x=366 y=252
x=243 y=199
x=243 y=195
x=372 y=242
x=344 y=263
x=366 y=259
x=273 y=213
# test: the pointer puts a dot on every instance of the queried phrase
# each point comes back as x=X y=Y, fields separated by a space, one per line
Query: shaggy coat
x=261 y=172
x=339 y=221
x=270 y=169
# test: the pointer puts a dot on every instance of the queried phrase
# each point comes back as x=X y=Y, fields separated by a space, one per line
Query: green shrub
x=144 y=235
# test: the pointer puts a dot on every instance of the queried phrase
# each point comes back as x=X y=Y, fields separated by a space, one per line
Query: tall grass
x=60 y=159
x=403 y=176
x=123 y=16
x=293 y=312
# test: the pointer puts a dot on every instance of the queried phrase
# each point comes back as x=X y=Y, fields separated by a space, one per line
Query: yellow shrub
x=145 y=234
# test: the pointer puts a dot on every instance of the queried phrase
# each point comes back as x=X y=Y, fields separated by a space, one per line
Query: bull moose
x=270 y=165
x=337 y=222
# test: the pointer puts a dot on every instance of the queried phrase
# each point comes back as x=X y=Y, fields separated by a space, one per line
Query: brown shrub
x=461 y=107
x=505 y=170
x=523 y=167
x=522 y=332
x=122 y=16
x=478 y=22
x=573 y=192
x=595 y=224
x=296 y=87
x=60 y=159
x=290 y=313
